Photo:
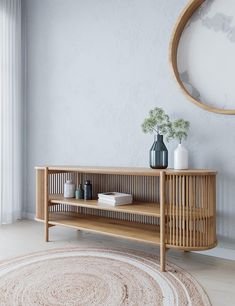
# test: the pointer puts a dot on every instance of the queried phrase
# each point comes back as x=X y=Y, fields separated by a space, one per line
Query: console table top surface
x=127 y=170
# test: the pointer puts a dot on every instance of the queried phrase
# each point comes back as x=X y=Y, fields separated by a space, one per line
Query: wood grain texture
x=46 y=197
x=137 y=171
x=141 y=208
x=184 y=17
x=162 y=222
x=190 y=210
x=40 y=193
x=118 y=228
x=106 y=170
x=185 y=219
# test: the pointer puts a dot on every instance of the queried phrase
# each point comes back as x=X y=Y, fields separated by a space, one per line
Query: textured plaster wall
x=94 y=70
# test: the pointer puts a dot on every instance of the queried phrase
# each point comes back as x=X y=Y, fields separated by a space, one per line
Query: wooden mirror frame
x=184 y=17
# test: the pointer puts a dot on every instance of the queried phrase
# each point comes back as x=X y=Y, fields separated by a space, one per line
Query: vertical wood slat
x=173 y=211
x=176 y=211
x=199 y=207
x=183 y=204
x=190 y=209
x=46 y=183
x=180 y=211
x=214 y=205
x=195 y=197
x=162 y=221
x=170 y=210
x=40 y=176
x=206 y=208
x=187 y=211
x=203 y=211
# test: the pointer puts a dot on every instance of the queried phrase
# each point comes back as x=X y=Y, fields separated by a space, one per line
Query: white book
x=108 y=203
x=115 y=198
x=114 y=195
x=119 y=200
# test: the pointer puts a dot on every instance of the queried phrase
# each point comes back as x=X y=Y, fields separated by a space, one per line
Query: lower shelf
x=112 y=227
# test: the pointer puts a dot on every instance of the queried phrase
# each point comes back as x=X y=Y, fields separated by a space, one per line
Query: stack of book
x=114 y=198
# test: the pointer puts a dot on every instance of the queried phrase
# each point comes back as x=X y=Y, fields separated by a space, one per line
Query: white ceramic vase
x=180 y=157
x=69 y=189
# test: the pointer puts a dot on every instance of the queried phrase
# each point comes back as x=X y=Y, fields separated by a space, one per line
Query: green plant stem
x=157 y=131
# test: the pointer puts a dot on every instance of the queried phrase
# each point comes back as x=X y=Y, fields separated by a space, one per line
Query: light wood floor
x=217 y=276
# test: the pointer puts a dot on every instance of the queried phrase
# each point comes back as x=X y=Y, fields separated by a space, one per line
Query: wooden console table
x=172 y=209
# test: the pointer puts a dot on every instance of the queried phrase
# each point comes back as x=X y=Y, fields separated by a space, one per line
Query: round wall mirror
x=202 y=54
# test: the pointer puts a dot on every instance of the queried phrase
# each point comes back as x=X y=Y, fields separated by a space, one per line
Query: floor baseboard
x=28 y=216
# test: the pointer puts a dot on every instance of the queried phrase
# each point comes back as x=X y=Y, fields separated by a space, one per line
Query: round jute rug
x=77 y=276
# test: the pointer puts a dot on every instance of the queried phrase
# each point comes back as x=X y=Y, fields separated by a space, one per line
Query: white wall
x=94 y=70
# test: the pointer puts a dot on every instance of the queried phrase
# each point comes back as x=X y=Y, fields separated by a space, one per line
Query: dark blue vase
x=158 y=154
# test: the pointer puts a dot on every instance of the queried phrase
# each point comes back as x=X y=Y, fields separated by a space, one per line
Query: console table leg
x=162 y=221
x=162 y=258
x=46 y=229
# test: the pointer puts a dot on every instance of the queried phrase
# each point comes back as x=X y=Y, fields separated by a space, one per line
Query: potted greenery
x=158 y=122
x=179 y=131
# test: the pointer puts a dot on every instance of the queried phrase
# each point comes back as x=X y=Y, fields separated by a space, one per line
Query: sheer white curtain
x=10 y=111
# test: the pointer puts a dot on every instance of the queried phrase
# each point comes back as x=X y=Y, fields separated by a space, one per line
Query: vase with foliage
x=157 y=123
x=179 y=131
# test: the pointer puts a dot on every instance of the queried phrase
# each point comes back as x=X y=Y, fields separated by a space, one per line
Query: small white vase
x=180 y=157
x=69 y=189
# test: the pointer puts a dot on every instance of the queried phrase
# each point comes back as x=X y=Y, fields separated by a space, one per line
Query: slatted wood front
x=190 y=210
x=189 y=199
x=143 y=189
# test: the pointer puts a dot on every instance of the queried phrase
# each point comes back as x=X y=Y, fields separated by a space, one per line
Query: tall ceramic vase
x=158 y=154
x=180 y=157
